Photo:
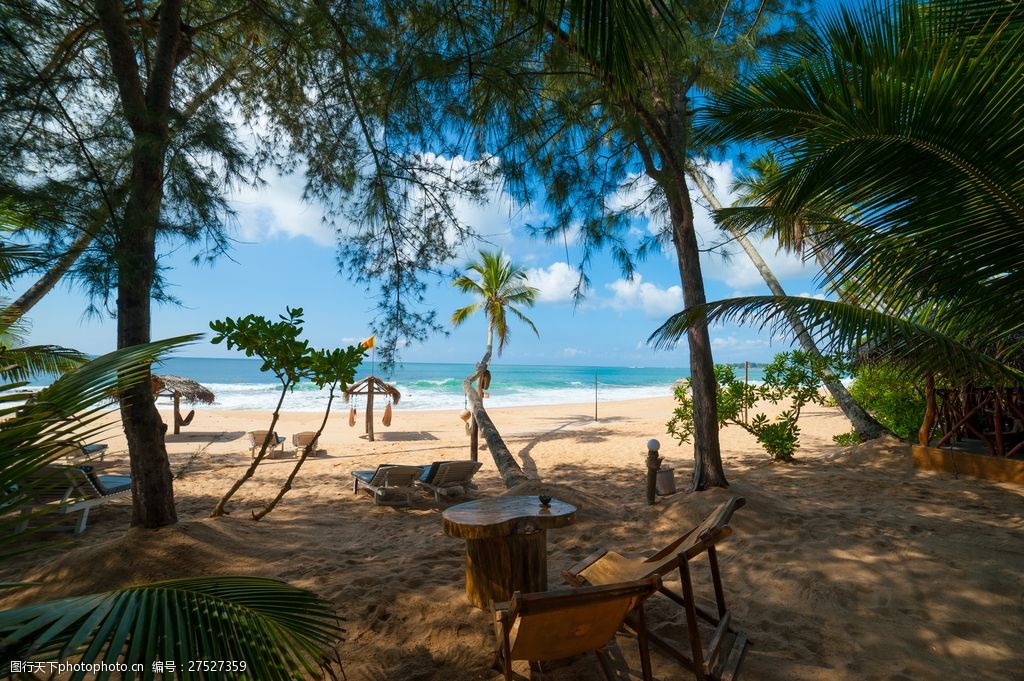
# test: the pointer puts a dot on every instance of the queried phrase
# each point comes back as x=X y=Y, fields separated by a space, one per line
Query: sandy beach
x=846 y=565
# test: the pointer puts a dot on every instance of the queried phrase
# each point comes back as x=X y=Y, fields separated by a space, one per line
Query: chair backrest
x=55 y=482
x=712 y=529
x=304 y=438
x=394 y=475
x=256 y=438
x=554 y=625
x=454 y=472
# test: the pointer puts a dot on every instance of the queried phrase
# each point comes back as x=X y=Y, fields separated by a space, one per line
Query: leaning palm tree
x=500 y=286
x=907 y=115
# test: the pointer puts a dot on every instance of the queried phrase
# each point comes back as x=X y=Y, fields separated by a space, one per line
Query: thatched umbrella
x=179 y=389
x=370 y=386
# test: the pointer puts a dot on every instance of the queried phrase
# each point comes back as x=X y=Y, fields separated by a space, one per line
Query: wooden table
x=506 y=544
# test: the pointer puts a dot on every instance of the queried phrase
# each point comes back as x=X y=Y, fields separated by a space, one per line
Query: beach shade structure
x=178 y=389
x=554 y=625
x=714 y=661
x=370 y=386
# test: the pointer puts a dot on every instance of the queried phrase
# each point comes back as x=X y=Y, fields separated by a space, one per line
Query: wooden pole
x=177 y=413
x=653 y=464
x=474 y=441
x=924 y=435
x=369 y=409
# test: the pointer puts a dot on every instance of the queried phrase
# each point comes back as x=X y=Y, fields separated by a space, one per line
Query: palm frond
x=279 y=631
x=34 y=430
x=27 y=361
x=847 y=329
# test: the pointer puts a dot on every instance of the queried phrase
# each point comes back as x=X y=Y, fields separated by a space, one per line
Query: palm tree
x=904 y=117
x=500 y=286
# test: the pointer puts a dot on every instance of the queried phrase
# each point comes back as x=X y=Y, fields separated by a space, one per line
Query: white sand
x=847 y=565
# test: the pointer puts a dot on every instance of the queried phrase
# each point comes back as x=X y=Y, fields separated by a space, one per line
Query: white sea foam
x=263 y=396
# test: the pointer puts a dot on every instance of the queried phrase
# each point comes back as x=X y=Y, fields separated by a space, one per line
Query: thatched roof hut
x=178 y=389
x=370 y=386
x=185 y=388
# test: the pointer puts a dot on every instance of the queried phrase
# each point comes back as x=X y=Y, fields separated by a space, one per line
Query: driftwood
x=511 y=473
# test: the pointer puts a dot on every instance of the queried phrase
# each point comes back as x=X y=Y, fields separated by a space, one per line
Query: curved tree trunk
x=865 y=424
x=509 y=469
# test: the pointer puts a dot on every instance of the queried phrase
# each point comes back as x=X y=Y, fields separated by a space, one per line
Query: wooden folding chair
x=553 y=625
x=603 y=567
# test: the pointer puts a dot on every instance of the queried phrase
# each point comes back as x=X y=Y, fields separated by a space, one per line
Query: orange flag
x=369 y=342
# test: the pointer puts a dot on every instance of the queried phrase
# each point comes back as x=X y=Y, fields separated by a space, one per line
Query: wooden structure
x=993 y=416
x=370 y=386
x=506 y=544
x=178 y=389
x=998 y=468
x=714 y=661
x=560 y=624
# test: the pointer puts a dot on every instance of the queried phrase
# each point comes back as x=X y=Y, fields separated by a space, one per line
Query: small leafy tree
x=894 y=397
x=332 y=369
x=793 y=377
x=283 y=354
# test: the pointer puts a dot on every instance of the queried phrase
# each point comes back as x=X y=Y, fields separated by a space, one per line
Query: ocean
x=239 y=384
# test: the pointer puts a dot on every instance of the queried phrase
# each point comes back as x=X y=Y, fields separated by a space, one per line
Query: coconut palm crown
x=500 y=286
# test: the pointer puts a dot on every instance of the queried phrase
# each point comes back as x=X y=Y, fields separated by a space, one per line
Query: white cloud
x=636 y=293
x=573 y=352
x=278 y=208
x=555 y=282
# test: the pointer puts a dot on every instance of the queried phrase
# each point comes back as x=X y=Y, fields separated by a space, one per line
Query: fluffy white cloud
x=278 y=208
x=555 y=282
x=639 y=294
x=573 y=352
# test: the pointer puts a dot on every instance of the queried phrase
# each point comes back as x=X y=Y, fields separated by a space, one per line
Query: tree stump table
x=506 y=544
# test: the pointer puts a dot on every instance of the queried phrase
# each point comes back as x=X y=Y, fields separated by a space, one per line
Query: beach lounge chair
x=77 y=452
x=387 y=482
x=552 y=625
x=448 y=477
x=604 y=567
x=256 y=438
x=70 y=489
x=301 y=440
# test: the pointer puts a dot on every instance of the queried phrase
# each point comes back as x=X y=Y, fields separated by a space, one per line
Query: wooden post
x=653 y=464
x=369 y=409
x=177 y=413
x=474 y=441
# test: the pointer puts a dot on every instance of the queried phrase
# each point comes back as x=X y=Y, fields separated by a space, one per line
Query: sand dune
x=847 y=565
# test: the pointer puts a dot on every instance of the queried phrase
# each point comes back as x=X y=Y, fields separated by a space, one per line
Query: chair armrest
x=571 y=575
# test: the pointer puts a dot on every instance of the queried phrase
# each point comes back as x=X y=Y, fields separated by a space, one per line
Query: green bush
x=792 y=376
x=895 y=400
x=847 y=439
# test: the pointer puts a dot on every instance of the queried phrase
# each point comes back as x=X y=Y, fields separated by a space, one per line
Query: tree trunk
x=152 y=486
x=307 y=450
x=511 y=473
x=145 y=102
x=924 y=435
x=707 y=453
x=27 y=300
x=865 y=424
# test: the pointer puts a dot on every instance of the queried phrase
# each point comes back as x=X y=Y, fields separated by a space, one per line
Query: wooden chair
x=69 y=489
x=554 y=625
x=387 y=480
x=605 y=567
x=448 y=477
x=256 y=438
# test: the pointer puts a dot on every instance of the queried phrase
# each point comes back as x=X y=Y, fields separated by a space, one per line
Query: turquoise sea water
x=239 y=384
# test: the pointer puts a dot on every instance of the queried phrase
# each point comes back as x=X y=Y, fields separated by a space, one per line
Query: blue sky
x=284 y=255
